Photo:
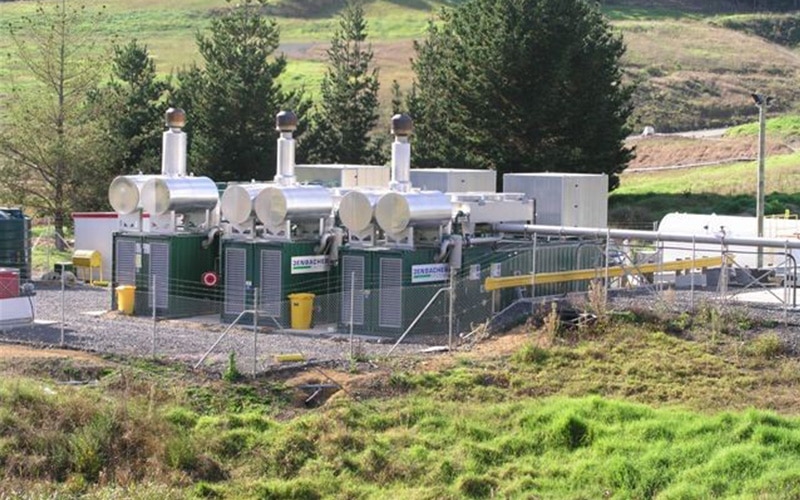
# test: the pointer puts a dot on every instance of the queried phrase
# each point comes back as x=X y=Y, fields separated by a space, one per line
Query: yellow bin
x=125 y=298
x=302 y=307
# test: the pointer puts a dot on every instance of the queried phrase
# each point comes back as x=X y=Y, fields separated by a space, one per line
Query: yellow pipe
x=587 y=274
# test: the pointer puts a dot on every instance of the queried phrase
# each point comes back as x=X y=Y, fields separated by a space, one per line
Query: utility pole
x=762 y=102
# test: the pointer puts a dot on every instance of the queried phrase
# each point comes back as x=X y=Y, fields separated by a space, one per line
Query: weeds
x=232 y=373
x=767 y=346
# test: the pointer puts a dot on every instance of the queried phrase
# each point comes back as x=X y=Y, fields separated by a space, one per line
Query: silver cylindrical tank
x=238 y=202
x=275 y=204
x=357 y=209
x=180 y=194
x=397 y=211
x=124 y=193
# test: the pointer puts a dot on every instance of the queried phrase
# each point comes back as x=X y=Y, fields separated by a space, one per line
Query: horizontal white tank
x=274 y=205
x=728 y=226
x=357 y=209
x=238 y=202
x=396 y=211
x=124 y=193
x=179 y=194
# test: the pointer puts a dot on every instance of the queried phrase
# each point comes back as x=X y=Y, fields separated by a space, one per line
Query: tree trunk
x=58 y=220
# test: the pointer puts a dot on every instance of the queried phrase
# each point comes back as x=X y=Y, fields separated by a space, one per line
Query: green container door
x=15 y=242
x=276 y=270
x=175 y=263
x=380 y=291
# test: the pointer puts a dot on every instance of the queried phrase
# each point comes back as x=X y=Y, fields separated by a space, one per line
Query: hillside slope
x=688 y=72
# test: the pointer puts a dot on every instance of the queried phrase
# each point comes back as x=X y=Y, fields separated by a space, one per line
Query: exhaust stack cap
x=402 y=125
x=286 y=121
x=175 y=118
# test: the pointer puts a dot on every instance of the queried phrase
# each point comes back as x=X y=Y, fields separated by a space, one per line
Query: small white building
x=95 y=230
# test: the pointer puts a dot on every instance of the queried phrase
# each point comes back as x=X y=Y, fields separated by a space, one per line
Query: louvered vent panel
x=353 y=289
x=126 y=262
x=271 y=291
x=390 y=309
x=235 y=280
x=159 y=270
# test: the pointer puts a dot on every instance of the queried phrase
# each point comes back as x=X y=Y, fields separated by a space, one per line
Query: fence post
x=255 y=331
x=533 y=276
x=63 y=313
x=607 y=285
x=785 y=288
x=155 y=310
x=352 y=308
x=452 y=296
x=692 y=274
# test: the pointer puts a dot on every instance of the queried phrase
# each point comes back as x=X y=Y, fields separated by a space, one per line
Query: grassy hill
x=690 y=72
x=640 y=404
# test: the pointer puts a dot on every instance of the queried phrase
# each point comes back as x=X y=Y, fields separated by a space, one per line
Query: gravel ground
x=89 y=327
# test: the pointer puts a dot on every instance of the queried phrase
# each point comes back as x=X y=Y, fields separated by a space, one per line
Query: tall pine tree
x=521 y=86
x=347 y=113
x=138 y=99
x=231 y=102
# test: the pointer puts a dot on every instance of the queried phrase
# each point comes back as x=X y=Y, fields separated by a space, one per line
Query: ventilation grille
x=390 y=310
x=235 y=280
x=271 y=290
x=159 y=270
x=353 y=289
x=126 y=262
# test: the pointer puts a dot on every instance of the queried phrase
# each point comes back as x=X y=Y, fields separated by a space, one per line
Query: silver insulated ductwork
x=402 y=126
x=238 y=202
x=357 y=209
x=396 y=212
x=162 y=195
x=125 y=191
x=173 y=144
x=285 y=123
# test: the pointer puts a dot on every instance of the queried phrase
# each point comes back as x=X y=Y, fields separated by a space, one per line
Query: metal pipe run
x=600 y=233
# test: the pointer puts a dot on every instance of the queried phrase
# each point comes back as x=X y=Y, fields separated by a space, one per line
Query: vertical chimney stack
x=402 y=126
x=285 y=123
x=173 y=146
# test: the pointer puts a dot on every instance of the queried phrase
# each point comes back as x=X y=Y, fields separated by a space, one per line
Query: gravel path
x=90 y=327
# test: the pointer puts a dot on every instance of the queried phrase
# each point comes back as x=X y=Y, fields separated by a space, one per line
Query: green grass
x=632 y=13
x=646 y=196
x=651 y=404
x=688 y=72
x=304 y=74
x=781 y=175
x=782 y=126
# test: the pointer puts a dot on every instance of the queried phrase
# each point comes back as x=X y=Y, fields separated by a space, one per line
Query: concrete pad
x=765 y=297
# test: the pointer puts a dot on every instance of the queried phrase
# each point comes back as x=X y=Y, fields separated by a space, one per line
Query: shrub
x=766 y=346
x=570 y=432
x=532 y=354
x=477 y=486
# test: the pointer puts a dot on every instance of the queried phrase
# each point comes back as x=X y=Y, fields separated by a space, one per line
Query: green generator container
x=386 y=288
x=15 y=241
x=277 y=269
x=176 y=263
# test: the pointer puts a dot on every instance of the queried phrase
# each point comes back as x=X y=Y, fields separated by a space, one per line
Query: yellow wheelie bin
x=126 y=295
x=302 y=309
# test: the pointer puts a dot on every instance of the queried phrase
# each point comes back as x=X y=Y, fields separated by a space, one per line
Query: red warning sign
x=210 y=278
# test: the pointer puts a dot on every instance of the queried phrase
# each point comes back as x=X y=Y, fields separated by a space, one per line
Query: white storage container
x=570 y=200
x=454 y=180
x=344 y=176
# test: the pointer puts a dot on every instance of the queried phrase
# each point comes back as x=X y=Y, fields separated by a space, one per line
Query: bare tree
x=46 y=138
